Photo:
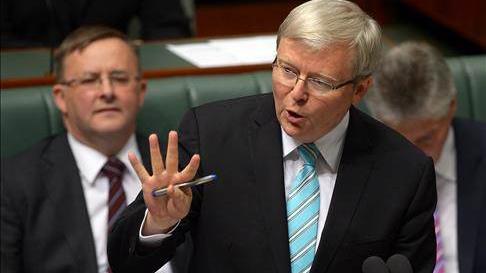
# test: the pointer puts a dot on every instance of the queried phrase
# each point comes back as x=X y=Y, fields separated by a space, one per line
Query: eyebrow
x=119 y=72
x=327 y=78
x=112 y=72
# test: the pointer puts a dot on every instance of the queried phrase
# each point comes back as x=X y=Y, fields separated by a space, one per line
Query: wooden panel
x=252 y=17
x=378 y=9
x=466 y=17
x=148 y=74
x=241 y=18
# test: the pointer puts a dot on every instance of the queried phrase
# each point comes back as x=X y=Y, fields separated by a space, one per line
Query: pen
x=199 y=181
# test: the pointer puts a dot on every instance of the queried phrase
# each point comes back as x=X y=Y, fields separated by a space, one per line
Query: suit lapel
x=469 y=195
x=266 y=150
x=64 y=189
x=354 y=169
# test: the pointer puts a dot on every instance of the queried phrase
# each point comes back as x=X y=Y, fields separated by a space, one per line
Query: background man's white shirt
x=96 y=188
x=446 y=169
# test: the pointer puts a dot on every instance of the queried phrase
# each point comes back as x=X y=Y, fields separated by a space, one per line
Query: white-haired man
x=415 y=94
x=306 y=182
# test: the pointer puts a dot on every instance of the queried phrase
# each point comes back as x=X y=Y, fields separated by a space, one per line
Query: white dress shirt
x=446 y=177
x=330 y=146
x=96 y=187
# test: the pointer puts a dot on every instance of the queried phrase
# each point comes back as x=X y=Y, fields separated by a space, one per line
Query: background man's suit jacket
x=470 y=140
x=382 y=203
x=45 y=222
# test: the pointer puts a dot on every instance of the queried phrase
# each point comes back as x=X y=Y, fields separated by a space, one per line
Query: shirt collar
x=90 y=161
x=330 y=145
x=446 y=165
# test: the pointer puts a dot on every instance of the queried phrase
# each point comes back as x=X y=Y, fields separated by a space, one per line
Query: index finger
x=138 y=167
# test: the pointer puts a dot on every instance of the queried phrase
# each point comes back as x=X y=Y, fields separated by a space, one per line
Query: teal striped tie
x=303 y=211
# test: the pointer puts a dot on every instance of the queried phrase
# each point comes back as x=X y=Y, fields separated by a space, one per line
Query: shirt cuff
x=155 y=239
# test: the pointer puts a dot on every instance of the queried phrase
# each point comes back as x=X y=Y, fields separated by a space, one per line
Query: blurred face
x=101 y=91
x=427 y=134
x=304 y=113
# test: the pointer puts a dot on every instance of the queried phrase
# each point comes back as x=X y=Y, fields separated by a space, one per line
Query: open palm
x=165 y=211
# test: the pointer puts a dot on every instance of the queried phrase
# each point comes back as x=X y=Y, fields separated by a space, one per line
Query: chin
x=293 y=131
x=112 y=128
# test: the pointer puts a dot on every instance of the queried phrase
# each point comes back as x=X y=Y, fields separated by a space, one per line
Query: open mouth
x=294 y=114
x=293 y=117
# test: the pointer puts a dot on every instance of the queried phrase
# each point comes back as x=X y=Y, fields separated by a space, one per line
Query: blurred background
x=177 y=37
x=457 y=27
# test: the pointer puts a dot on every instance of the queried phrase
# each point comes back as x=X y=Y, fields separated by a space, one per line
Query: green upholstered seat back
x=28 y=115
x=168 y=99
x=470 y=78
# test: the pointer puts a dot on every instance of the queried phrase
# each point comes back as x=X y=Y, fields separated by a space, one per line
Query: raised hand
x=166 y=211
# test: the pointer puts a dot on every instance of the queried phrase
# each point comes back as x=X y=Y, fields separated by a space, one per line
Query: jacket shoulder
x=473 y=130
x=25 y=166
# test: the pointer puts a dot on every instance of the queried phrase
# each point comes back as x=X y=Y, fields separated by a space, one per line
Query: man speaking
x=306 y=182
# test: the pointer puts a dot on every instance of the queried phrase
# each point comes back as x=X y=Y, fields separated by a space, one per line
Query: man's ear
x=59 y=97
x=452 y=108
x=361 y=89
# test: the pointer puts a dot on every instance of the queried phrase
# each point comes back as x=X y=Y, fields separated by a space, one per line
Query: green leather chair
x=28 y=115
x=470 y=78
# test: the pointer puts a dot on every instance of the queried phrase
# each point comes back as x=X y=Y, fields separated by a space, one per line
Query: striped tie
x=113 y=170
x=439 y=258
x=303 y=211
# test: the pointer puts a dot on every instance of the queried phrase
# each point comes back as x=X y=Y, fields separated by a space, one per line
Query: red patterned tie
x=113 y=170
x=439 y=259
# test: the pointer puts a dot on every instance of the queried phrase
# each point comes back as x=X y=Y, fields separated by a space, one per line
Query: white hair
x=413 y=82
x=321 y=23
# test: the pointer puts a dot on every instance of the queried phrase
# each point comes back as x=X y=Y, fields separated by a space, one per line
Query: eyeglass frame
x=331 y=86
x=98 y=80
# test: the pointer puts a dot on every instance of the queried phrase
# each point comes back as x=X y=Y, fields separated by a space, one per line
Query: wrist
x=153 y=226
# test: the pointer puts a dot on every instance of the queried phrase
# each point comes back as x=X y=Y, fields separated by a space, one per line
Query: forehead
x=101 y=56
x=335 y=60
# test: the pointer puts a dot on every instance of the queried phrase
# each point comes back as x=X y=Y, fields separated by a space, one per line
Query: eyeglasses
x=95 y=81
x=287 y=76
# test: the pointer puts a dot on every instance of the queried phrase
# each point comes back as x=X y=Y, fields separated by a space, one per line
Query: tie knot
x=113 y=168
x=309 y=153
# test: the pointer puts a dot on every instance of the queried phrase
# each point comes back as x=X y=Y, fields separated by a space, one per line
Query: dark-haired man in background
x=61 y=197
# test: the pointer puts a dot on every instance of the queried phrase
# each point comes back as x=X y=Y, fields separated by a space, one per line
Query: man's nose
x=107 y=88
x=299 y=92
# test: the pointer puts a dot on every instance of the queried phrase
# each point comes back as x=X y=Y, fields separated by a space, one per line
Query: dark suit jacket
x=382 y=204
x=28 y=23
x=45 y=222
x=470 y=141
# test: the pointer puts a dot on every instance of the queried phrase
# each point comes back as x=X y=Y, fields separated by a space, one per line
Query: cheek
x=80 y=105
x=328 y=112
x=332 y=106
